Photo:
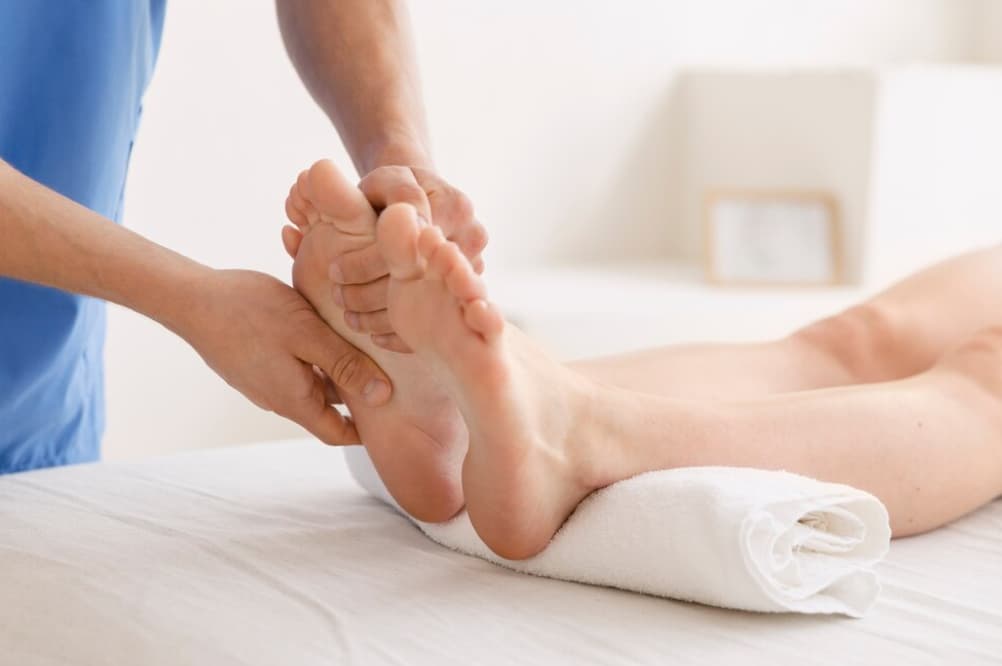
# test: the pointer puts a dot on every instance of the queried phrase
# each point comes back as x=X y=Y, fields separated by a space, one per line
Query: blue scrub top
x=72 y=77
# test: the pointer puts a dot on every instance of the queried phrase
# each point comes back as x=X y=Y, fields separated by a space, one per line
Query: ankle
x=599 y=433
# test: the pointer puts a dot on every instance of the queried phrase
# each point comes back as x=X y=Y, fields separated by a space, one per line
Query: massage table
x=271 y=554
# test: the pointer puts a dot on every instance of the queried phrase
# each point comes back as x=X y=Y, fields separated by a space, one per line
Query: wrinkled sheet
x=271 y=554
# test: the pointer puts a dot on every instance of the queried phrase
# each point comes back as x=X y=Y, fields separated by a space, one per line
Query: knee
x=987 y=341
x=979 y=359
x=868 y=341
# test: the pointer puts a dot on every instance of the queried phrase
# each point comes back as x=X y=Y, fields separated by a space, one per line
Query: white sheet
x=270 y=554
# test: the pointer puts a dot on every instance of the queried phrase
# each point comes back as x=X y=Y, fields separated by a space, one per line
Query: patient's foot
x=416 y=441
x=523 y=474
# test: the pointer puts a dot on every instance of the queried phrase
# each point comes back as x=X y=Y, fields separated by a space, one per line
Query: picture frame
x=772 y=238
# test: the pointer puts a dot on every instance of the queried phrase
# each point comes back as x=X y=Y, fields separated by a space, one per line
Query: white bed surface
x=270 y=554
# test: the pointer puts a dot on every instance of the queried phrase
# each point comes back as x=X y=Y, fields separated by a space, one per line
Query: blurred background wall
x=584 y=133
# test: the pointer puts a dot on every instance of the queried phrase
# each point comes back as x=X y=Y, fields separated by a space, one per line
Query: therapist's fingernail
x=421 y=221
x=376 y=392
x=352 y=319
x=338 y=297
x=335 y=274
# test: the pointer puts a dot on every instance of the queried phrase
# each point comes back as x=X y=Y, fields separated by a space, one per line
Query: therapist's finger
x=376 y=323
x=471 y=238
x=353 y=372
x=330 y=391
x=392 y=342
x=359 y=266
x=363 y=297
x=322 y=420
x=333 y=397
x=451 y=209
x=395 y=184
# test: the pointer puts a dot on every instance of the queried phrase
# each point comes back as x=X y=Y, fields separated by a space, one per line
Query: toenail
x=421 y=221
x=376 y=392
x=335 y=274
x=338 y=297
x=352 y=319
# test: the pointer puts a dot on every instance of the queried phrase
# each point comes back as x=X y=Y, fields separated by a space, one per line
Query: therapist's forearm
x=48 y=239
x=254 y=331
x=357 y=59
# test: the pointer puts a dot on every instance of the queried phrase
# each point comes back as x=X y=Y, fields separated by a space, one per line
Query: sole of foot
x=417 y=440
x=523 y=473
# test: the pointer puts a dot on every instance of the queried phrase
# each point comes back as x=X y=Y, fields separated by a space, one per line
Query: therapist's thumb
x=351 y=370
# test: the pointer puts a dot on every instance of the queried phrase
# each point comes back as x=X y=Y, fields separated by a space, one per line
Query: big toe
x=397 y=235
x=334 y=195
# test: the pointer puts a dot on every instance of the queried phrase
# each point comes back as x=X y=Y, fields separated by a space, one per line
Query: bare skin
x=904 y=333
x=519 y=484
x=357 y=59
x=418 y=441
x=262 y=337
x=899 y=332
x=257 y=333
x=542 y=436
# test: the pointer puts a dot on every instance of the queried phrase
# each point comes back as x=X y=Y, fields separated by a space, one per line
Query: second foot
x=524 y=472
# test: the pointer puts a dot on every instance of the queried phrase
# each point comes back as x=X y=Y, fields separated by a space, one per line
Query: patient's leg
x=542 y=437
x=719 y=371
x=416 y=441
x=929 y=446
x=899 y=332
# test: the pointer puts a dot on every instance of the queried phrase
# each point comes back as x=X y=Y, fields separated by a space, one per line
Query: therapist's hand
x=436 y=200
x=362 y=275
x=266 y=340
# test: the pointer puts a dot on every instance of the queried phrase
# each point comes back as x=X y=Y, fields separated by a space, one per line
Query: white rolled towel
x=732 y=537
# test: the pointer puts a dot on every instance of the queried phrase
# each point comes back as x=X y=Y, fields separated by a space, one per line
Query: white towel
x=733 y=537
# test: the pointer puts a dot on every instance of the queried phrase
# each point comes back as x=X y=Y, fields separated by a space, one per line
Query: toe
x=460 y=278
x=484 y=317
x=335 y=197
x=448 y=263
x=300 y=192
x=297 y=207
x=429 y=240
x=291 y=239
x=295 y=215
x=445 y=260
x=397 y=236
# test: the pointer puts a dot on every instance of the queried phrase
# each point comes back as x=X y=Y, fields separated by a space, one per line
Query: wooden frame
x=826 y=199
